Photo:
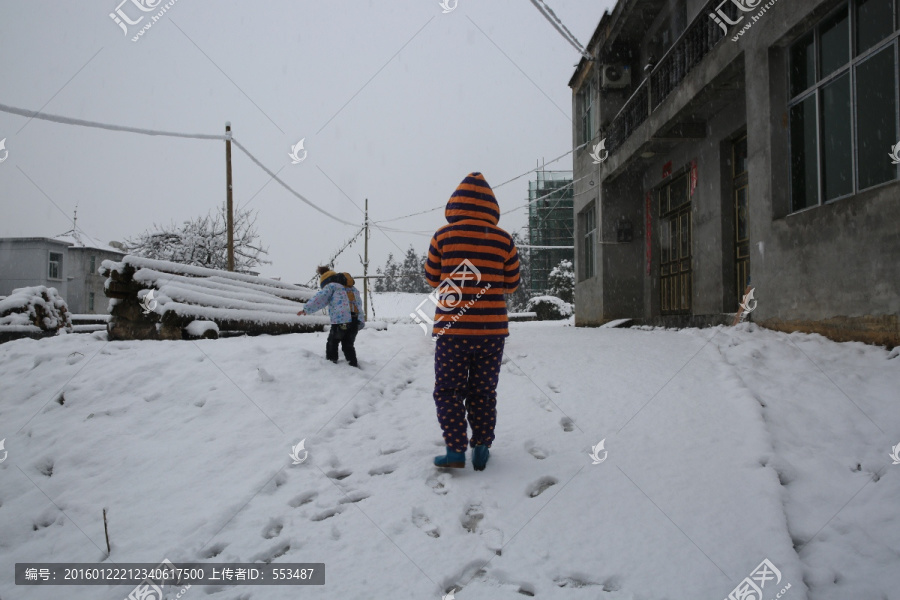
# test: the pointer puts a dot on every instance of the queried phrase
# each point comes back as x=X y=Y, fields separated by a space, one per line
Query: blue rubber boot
x=452 y=460
x=480 y=457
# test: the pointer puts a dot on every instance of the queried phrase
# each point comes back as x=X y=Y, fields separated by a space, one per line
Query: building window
x=587 y=112
x=844 y=107
x=588 y=219
x=55 y=269
x=93 y=267
x=91 y=301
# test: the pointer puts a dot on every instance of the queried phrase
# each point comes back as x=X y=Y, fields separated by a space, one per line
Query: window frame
x=588 y=268
x=58 y=263
x=587 y=111
x=849 y=68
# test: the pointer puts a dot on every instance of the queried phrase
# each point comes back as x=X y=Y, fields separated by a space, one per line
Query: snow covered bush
x=561 y=281
x=549 y=308
x=36 y=308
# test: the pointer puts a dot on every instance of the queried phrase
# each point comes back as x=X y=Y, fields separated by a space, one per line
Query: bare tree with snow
x=203 y=242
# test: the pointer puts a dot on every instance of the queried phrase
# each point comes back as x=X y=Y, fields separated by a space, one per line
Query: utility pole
x=230 y=217
x=366 y=265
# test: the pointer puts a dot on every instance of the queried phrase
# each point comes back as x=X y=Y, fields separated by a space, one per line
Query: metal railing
x=698 y=40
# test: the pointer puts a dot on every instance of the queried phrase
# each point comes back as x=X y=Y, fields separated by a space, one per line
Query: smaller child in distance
x=345 y=309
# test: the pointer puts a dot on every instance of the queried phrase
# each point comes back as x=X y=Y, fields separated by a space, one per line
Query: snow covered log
x=153 y=299
x=35 y=311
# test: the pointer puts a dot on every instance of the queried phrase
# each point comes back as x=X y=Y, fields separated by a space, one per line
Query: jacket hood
x=473 y=199
x=333 y=277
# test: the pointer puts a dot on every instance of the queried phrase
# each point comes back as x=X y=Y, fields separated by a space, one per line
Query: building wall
x=25 y=262
x=83 y=281
x=588 y=292
x=624 y=285
x=712 y=212
x=831 y=268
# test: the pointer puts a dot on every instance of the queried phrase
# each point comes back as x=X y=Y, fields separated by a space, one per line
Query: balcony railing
x=633 y=113
x=700 y=37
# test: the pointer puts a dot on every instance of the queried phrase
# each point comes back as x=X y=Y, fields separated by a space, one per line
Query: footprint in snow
x=384 y=470
x=440 y=483
x=268 y=557
x=472 y=518
x=214 y=550
x=493 y=539
x=339 y=474
x=422 y=521
x=326 y=514
x=264 y=375
x=567 y=424
x=272 y=529
x=304 y=498
x=353 y=497
x=537 y=452
x=538 y=487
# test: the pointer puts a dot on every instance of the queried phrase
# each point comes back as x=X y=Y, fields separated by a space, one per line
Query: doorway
x=740 y=182
x=676 y=243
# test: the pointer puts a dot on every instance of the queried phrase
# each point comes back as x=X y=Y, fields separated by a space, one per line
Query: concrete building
x=745 y=142
x=549 y=224
x=64 y=263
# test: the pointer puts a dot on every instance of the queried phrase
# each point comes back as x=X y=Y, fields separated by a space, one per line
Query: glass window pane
x=673 y=238
x=743 y=218
x=874 y=22
x=803 y=65
x=837 y=166
x=834 y=47
x=740 y=157
x=679 y=192
x=664 y=242
x=804 y=161
x=876 y=118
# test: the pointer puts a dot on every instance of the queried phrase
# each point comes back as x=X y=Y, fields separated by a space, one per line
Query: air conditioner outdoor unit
x=615 y=76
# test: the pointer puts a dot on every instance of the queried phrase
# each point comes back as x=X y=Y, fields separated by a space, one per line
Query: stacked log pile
x=36 y=311
x=152 y=299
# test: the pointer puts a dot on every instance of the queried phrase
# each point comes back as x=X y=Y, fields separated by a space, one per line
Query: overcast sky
x=397 y=102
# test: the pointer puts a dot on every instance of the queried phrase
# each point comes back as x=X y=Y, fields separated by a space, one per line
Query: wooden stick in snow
x=106 y=531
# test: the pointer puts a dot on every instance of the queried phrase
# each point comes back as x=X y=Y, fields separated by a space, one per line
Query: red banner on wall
x=648 y=232
x=667 y=169
x=693 y=177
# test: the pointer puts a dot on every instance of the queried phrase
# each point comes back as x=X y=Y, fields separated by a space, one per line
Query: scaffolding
x=550 y=223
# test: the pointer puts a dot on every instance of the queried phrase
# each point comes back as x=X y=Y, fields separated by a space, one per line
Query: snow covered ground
x=726 y=447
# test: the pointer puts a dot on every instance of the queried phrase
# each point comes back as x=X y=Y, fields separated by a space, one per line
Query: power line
x=339 y=252
x=84 y=123
x=223 y=137
x=548 y=14
x=557 y=190
x=198 y=136
x=293 y=192
x=560 y=157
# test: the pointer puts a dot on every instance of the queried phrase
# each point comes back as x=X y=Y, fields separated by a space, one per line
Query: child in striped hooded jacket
x=473 y=263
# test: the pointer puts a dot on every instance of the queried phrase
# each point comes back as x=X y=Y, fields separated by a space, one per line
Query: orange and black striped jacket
x=473 y=263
